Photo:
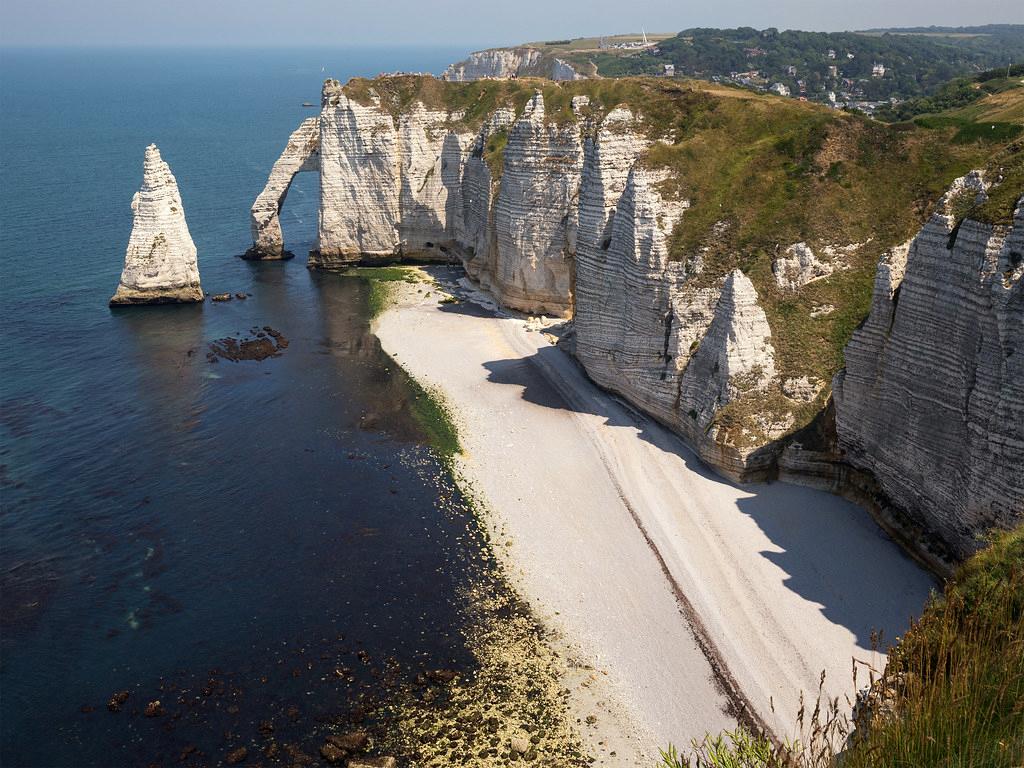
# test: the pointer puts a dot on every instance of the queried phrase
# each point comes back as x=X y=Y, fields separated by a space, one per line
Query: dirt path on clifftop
x=685 y=592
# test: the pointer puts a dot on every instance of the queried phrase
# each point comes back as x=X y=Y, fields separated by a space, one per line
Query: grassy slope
x=775 y=172
x=957 y=676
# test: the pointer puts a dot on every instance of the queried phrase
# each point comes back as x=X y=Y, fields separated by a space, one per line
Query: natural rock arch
x=302 y=153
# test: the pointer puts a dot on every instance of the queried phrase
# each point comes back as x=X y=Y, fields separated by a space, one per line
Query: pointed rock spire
x=160 y=264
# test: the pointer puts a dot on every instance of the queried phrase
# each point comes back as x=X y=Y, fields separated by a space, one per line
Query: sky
x=348 y=23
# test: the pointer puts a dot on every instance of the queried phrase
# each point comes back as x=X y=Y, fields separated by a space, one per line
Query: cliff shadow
x=827 y=551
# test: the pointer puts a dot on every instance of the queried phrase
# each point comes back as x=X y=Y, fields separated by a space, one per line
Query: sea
x=250 y=543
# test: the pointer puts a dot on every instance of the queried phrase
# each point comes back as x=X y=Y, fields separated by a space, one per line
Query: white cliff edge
x=160 y=265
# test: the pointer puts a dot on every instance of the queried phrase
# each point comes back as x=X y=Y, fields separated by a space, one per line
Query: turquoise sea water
x=218 y=536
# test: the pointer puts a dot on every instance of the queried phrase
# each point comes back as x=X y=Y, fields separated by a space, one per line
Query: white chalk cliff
x=160 y=265
x=418 y=185
x=503 y=63
x=679 y=350
x=931 y=402
x=561 y=214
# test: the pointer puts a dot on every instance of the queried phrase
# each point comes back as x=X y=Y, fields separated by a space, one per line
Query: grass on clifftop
x=952 y=695
x=956 y=679
x=764 y=173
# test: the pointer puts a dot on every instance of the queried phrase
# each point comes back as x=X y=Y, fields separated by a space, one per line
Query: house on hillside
x=878 y=70
x=780 y=89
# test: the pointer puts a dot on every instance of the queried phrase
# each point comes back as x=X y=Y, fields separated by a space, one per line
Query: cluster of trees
x=953 y=95
x=917 y=62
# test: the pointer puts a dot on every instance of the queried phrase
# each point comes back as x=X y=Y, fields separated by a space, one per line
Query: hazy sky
x=484 y=22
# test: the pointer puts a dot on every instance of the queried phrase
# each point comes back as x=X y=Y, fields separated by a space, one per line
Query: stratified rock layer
x=931 y=402
x=160 y=264
x=389 y=187
x=679 y=351
x=534 y=218
x=420 y=185
x=562 y=214
x=503 y=63
x=302 y=153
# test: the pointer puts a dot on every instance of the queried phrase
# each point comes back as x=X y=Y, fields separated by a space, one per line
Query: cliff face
x=388 y=186
x=535 y=212
x=421 y=184
x=502 y=63
x=160 y=264
x=931 y=402
x=714 y=255
x=679 y=351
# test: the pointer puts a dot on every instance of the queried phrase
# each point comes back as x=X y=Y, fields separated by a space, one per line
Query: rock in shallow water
x=266 y=343
x=160 y=265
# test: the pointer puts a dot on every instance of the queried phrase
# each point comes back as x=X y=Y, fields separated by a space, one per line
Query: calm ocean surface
x=217 y=536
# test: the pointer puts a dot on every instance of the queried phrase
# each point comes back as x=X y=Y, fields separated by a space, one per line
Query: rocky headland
x=716 y=252
x=301 y=153
x=160 y=265
x=503 y=63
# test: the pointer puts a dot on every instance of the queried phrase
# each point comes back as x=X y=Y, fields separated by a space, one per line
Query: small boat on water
x=308 y=104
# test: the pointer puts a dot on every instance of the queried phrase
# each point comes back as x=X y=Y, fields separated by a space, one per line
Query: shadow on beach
x=831 y=551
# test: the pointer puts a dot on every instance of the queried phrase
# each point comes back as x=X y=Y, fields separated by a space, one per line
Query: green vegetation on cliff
x=917 y=62
x=951 y=695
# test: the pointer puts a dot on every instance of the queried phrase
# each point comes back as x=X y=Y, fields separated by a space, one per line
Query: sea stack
x=160 y=265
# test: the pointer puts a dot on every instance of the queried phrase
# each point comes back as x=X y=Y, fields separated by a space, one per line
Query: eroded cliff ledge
x=715 y=248
x=160 y=264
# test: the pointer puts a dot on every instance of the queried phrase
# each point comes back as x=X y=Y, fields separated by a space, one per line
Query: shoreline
x=684 y=592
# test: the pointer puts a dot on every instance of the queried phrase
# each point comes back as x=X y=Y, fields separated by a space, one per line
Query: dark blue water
x=217 y=536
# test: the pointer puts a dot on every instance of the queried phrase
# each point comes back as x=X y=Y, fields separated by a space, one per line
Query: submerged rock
x=373 y=762
x=154 y=709
x=117 y=701
x=264 y=344
x=160 y=265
